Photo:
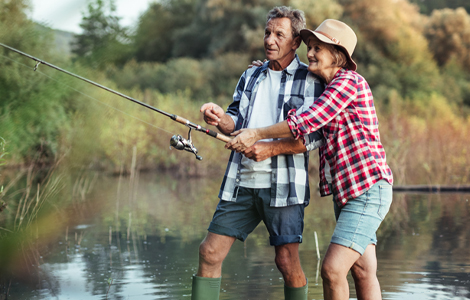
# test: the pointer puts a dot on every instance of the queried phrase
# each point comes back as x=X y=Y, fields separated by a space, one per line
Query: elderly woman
x=353 y=165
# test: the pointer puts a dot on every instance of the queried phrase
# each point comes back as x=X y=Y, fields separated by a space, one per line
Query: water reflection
x=142 y=243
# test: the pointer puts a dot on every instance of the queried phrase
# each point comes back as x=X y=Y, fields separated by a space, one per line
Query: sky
x=67 y=14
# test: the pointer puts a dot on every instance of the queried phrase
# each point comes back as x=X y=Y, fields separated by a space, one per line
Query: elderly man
x=269 y=181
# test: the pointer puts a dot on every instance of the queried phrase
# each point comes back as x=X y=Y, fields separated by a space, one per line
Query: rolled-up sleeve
x=311 y=140
x=292 y=122
x=336 y=97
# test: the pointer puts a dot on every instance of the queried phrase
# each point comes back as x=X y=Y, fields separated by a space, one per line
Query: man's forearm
x=263 y=150
x=278 y=130
x=287 y=146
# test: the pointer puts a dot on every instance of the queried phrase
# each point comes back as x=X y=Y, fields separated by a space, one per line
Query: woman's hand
x=244 y=138
x=256 y=63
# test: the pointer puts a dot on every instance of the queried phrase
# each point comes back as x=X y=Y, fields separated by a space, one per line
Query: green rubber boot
x=300 y=293
x=205 y=288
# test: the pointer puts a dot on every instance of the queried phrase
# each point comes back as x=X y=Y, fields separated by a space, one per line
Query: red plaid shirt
x=346 y=114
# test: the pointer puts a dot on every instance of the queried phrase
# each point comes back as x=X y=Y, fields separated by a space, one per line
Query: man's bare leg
x=212 y=252
x=288 y=262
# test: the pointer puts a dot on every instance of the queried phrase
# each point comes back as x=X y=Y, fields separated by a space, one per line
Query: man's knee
x=214 y=248
x=287 y=256
x=209 y=254
x=282 y=262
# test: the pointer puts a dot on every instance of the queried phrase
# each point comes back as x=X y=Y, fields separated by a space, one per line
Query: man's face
x=279 y=44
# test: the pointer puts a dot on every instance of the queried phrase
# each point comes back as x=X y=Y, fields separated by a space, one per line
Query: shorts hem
x=284 y=239
x=222 y=230
x=349 y=244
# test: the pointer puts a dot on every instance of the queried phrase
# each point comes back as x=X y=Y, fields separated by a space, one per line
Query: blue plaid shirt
x=289 y=177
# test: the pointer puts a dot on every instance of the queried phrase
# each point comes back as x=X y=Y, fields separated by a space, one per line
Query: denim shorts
x=358 y=220
x=238 y=219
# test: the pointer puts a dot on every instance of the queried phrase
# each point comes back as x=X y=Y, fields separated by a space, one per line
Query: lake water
x=138 y=239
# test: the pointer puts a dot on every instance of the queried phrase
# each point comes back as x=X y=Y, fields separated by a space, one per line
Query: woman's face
x=319 y=57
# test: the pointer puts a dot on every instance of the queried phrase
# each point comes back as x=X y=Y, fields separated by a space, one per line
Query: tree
x=103 y=39
x=448 y=33
x=428 y=6
x=317 y=11
x=155 y=36
x=392 y=51
x=32 y=107
x=201 y=28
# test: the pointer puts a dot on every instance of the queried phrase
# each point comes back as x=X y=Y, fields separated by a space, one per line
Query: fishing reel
x=180 y=143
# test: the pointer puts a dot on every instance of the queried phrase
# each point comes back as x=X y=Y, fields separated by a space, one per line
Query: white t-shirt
x=254 y=174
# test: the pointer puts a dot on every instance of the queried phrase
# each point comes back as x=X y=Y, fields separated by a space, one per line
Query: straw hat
x=337 y=33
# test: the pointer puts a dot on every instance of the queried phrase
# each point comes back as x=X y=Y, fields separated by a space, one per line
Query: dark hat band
x=334 y=40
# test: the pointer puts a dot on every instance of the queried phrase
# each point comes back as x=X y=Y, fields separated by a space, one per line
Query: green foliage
x=456 y=80
x=428 y=6
x=392 y=52
x=155 y=36
x=448 y=32
x=199 y=28
x=149 y=133
x=103 y=40
x=2 y=151
x=2 y=162
x=317 y=11
x=32 y=108
x=206 y=78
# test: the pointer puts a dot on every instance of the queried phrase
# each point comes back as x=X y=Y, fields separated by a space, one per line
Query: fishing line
x=82 y=93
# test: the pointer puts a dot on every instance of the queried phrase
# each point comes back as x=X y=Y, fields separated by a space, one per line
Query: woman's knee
x=331 y=272
x=337 y=263
x=366 y=266
x=359 y=273
x=363 y=272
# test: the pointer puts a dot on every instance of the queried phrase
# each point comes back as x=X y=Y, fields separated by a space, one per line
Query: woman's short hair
x=339 y=58
x=296 y=17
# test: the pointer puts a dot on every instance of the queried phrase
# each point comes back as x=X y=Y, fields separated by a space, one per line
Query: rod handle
x=223 y=138
x=213 y=134
x=180 y=119
x=216 y=135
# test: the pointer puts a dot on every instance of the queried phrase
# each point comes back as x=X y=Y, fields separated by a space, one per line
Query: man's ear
x=297 y=42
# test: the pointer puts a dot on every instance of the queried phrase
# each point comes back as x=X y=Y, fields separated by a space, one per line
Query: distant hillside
x=62 y=39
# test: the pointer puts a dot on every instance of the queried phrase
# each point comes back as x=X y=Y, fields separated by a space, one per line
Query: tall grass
x=106 y=132
x=426 y=140
x=41 y=204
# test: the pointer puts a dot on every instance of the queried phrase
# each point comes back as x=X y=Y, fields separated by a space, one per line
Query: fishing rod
x=176 y=141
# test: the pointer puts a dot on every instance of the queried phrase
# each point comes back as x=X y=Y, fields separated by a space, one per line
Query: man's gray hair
x=296 y=16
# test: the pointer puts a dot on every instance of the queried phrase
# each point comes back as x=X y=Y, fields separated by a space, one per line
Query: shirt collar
x=291 y=68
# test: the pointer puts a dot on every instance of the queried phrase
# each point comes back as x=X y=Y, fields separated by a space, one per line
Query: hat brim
x=305 y=34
